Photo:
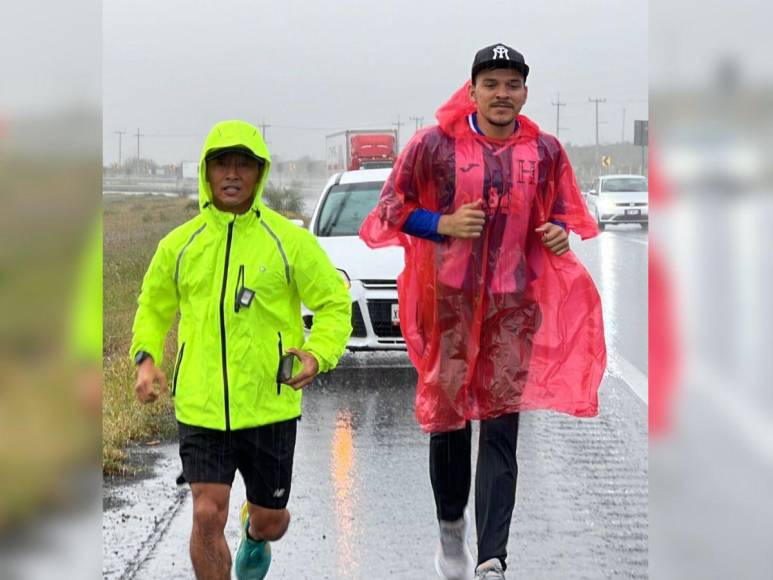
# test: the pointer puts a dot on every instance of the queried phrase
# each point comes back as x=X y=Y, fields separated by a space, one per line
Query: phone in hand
x=285 y=371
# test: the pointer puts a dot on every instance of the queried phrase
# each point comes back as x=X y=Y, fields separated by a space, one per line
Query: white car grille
x=379 y=284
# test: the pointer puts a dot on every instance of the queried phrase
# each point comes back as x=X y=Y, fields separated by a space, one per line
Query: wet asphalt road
x=617 y=260
x=361 y=500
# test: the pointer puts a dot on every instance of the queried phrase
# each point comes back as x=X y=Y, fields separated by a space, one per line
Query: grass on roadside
x=133 y=226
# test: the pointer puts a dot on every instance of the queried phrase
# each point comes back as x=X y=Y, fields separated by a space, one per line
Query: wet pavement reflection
x=342 y=462
x=617 y=261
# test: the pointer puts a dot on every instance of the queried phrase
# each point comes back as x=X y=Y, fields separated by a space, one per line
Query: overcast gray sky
x=174 y=68
x=50 y=56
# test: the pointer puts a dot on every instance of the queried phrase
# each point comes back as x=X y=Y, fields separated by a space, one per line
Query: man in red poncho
x=497 y=314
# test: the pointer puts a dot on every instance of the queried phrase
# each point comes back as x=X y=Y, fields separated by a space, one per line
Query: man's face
x=232 y=178
x=499 y=95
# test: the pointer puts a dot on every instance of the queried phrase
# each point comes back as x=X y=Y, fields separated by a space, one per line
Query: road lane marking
x=627 y=239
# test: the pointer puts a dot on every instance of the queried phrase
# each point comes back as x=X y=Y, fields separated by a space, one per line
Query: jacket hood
x=452 y=116
x=233 y=134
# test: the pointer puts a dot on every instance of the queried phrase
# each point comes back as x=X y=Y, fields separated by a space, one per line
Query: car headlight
x=607 y=206
x=345 y=276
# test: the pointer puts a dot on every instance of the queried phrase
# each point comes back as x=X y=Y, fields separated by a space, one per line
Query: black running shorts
x=263 y=455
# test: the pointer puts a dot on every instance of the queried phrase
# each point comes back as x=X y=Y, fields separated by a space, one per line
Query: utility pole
x=398 y=124
x=558 y=104
x=120 y=138
x=597 y=101
x=419 y=122
x=263 y=128
x=622 y=138
x=138 y=135
x=641 y=137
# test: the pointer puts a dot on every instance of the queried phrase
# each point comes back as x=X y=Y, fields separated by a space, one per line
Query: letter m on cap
x=501 y=52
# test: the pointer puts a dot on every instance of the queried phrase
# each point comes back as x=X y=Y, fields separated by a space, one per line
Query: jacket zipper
x=177 y=369
x=222 y=326
x=278 y=384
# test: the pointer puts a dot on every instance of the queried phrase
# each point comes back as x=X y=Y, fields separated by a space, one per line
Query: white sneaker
x=453 y=560
x=490 y=570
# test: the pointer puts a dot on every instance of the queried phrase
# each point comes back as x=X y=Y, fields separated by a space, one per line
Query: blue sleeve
x=423 y=223
x=558 y=223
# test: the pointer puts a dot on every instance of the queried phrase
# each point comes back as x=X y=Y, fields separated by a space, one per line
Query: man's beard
x=501 y=123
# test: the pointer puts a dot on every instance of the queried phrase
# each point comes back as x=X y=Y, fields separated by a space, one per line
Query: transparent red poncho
x=497 y=324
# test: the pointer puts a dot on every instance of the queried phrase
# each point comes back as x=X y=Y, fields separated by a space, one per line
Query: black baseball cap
x=499 y=56
x=215 y=153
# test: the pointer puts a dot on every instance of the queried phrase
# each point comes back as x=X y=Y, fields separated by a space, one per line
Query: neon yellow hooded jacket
x=226 y=366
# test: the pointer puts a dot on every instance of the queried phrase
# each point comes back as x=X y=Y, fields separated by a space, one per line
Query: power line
x=558 y=104
x=419 y=122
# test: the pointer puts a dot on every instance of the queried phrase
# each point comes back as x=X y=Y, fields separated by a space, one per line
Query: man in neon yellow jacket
x=237 y=274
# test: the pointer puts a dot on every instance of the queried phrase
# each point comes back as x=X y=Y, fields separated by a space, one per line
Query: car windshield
x=624 y=184
x=345 y=208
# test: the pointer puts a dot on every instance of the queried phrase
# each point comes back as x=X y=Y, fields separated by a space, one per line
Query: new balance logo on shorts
x=279 y=492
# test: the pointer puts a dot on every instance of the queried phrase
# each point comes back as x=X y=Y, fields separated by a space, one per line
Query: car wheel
x=602 y=225
x=645 y=226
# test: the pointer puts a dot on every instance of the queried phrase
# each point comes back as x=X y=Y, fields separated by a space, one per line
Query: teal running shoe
x=252 y=558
